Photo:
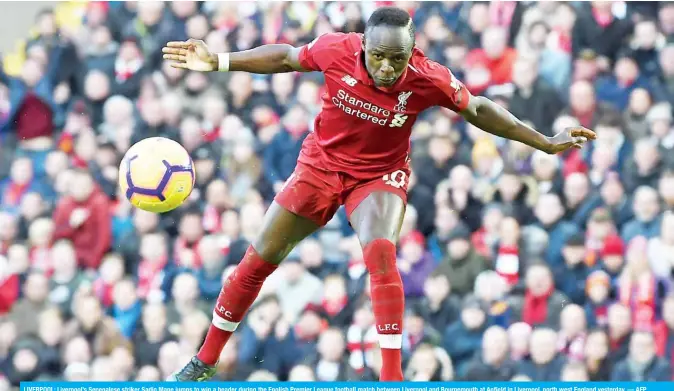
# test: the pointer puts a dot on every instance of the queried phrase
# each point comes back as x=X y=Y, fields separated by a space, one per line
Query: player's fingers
x=178 y=44
x=583 y=132
x=579 y=140
x=179 y=65
x=590 y=134
x=168 y=50
x=174 y=57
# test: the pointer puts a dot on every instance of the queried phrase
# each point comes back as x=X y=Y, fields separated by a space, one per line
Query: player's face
x=387 y=53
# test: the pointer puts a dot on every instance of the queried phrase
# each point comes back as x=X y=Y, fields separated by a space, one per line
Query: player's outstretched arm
x=195 y=55
x=496 y=120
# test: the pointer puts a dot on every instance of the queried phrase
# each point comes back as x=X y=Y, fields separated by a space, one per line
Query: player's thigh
x=377 y=214
x=281 y=231
x=307 y=202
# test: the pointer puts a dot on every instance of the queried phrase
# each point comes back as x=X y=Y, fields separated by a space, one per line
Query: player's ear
x=362 y=42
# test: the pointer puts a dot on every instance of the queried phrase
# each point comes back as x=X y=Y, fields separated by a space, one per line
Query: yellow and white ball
x=156 y=175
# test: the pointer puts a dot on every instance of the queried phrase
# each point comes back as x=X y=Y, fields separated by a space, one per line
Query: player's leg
x=281 y=231
x=300 y=209
x=377 y=220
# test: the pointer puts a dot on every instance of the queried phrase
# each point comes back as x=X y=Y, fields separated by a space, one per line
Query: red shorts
x=316 y=194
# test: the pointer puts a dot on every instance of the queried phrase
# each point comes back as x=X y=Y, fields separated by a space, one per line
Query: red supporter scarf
x=13 y=194
x=414 y=340
x=210 y=133
x=574 y=162
x=125 y=70
x=574 y=348
x=507 y=263
x=535 y=309
x=9 y=293
x=103 y=291
x=211 y=221
x=501 y=12
x=563 y=40
x=359 y=342
x=150 y=276
x=661 y=335
x=78 y=162
x=356 y=268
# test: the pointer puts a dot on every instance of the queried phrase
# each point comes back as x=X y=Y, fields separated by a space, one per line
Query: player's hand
x=573 y=137
x=192 y=54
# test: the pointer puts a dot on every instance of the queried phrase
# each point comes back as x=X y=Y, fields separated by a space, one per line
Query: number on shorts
x=396 y=179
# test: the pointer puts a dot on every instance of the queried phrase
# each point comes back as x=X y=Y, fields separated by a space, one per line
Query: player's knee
x=380 y=259
x=273 y=251
x=377 y=233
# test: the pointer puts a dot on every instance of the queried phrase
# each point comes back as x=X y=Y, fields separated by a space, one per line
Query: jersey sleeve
x=449 y=91
x=322 y=51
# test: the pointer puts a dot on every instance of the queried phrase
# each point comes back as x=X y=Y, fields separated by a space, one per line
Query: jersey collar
x=362 y=76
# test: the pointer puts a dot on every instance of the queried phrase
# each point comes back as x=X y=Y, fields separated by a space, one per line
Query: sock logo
x=222 y=310
x=388 y=327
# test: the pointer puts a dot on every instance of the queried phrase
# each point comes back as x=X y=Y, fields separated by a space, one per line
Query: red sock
x=388 y=305
x=237 y=295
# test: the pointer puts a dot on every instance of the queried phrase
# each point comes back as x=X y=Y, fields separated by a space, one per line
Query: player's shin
x=237 y=295
x=388 y=304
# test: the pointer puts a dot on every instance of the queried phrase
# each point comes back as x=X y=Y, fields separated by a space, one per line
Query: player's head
x=387 y=43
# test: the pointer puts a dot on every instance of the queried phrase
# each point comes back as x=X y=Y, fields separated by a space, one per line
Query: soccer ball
x=156 y=174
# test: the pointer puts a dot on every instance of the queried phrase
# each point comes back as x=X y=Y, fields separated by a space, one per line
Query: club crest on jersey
x=402 y=101
x=350 y=81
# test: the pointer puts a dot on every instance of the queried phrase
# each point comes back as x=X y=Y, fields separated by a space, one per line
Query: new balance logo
x=350 y=81
x=396 y=179
x=398 y=120
x=454 y=84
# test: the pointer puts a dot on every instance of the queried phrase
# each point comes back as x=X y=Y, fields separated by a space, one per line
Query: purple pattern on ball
x=157 y=192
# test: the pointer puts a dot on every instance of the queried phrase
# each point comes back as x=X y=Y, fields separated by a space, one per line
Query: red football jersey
x=363 y=130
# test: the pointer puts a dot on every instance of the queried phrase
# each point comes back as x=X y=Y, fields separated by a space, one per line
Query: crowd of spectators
x=516 y=264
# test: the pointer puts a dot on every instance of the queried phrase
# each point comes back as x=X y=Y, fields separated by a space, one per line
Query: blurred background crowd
x=516 y=264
